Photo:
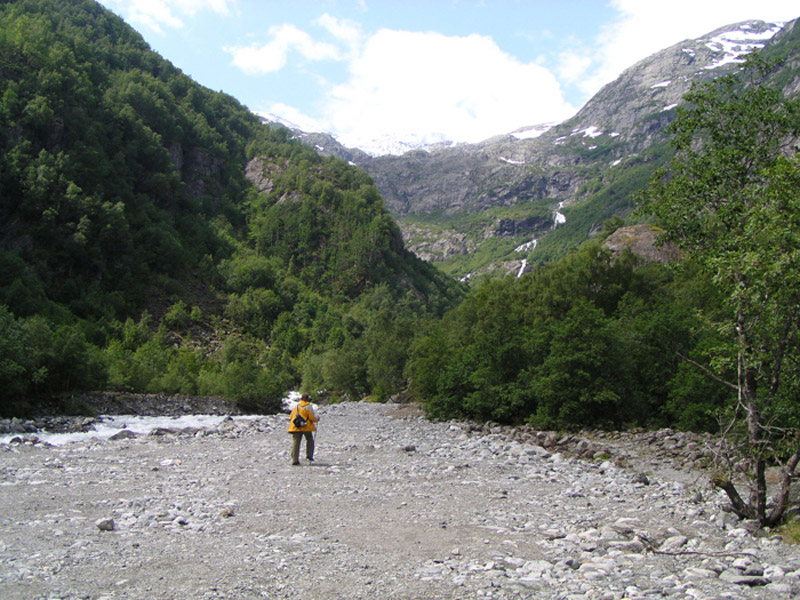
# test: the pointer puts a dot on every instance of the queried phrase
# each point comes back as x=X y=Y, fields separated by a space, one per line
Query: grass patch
x=790 y=532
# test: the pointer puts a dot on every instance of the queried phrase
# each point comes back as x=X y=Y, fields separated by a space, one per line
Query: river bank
x=394 y=507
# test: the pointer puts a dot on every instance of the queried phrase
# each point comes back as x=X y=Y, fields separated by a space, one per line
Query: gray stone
x=699 y=573
x=737 y=577
x=673 y=543
x=456 y=518
x=105 y=524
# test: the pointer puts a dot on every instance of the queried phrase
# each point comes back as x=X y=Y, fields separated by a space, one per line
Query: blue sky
x=421 y=70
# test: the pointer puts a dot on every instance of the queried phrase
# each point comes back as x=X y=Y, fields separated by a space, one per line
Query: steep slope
x=473 y=206
x=129 y=191
x=113 y=160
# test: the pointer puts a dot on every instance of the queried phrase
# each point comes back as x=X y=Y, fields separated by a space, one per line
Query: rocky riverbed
x=394 y=507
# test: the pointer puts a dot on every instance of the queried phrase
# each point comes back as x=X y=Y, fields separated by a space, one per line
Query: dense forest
x=136 y=255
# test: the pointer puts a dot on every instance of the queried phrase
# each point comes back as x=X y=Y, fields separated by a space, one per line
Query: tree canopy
x=128 y=226
x=730 y=201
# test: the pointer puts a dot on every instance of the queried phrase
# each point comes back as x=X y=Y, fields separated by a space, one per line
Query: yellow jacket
x=307 y=412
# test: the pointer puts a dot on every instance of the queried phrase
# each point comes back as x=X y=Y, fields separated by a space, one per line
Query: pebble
x=394 y=507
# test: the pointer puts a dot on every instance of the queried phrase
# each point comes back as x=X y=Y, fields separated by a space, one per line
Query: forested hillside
x=135 y=253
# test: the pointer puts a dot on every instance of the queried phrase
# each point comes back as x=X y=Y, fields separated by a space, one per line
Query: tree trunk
x=782 y=500
x=747 y=374
x=742 y=509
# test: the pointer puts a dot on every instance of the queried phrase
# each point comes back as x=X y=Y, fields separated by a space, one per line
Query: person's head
x=305 y=398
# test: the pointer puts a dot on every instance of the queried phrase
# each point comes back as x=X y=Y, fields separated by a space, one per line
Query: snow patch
x=528 y=133
x=590 y=132
x=662 y=84
x=669 y=107
x=734 y=45
x=511 y=161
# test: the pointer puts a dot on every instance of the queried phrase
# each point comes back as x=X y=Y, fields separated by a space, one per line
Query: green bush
x=584 y=341
x=38 y=359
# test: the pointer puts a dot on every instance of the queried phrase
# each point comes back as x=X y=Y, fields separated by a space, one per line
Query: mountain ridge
x=606 y=149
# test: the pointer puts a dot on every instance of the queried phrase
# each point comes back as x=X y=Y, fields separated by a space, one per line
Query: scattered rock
x=397 y=507
x=105 y=524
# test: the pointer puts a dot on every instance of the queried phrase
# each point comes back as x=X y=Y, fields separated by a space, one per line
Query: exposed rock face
x=440 y=244
x=257 y=173
x=615 y=130
x=435 y=246
x=199 y=169
x=516 y=227
x=625 y=117
x=642 y=240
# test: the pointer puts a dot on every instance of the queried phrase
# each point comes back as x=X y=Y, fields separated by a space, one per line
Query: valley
x=454 y=203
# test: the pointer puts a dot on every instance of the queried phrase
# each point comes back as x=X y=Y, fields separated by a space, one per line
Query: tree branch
x=708 y=372
x=739 y=507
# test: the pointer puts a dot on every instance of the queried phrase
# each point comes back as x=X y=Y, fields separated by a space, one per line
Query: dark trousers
x=296 y=437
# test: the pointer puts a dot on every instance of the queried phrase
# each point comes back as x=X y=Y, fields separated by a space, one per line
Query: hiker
x=298 y=429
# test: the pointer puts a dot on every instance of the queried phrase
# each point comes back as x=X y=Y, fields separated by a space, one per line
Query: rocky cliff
x=451 y=201
x=625 y=117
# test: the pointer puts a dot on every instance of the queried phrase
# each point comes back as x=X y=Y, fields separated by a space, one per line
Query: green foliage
x=584 y=341
x=484 y=250
x=123 y=193
x=583 y=378
x=141 y=359
x=37 y=358
x=790 y=532
x=730 y=201
x=101 y=142
x=610 y=193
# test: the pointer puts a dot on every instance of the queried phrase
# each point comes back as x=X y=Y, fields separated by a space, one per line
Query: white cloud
x=158 y=14
x=573 y=65
x=259 y=59
x=192 y=7
x=344 y=30
x=644 y=28
x=430 y=86
x=409 y=84
x=295 y=118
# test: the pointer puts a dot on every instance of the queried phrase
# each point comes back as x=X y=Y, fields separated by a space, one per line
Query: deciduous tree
x=730 y=201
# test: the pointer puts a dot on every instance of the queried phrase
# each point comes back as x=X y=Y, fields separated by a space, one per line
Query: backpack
x=298 y=420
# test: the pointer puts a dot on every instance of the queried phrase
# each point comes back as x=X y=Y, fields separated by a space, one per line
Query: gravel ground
x=395 y=507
